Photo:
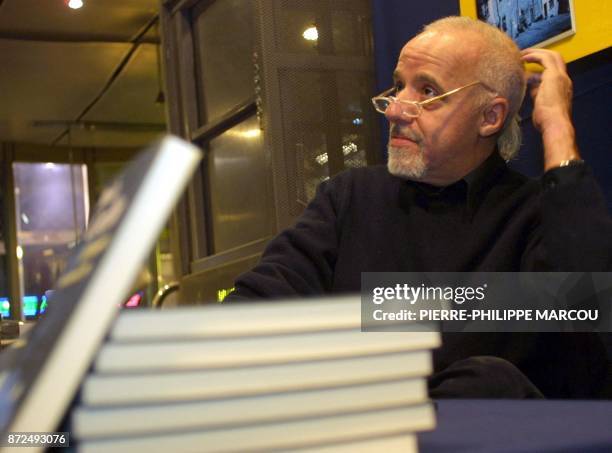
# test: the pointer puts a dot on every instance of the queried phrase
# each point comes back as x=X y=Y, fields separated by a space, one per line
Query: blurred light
x=30 y=305
x=43 y=304
x=222 y=293
x=75 y=4
x=19 y=252
x=349 y=148
x=25 y=218
x=48 y=252
x=311 y=34
x=134 y=301
x=6 y=305
x=50 y=165
x=251 y=133
x=357 y=121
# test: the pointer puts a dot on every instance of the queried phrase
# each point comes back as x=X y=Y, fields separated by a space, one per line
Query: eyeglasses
x=411 y=109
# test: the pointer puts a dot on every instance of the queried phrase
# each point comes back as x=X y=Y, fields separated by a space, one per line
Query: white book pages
x=104 y=390
x=109 y=422
x=240 y=319
x=403 y=443
x=287 y=435
x=130 y=357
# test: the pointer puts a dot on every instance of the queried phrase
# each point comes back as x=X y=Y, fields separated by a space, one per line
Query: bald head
x=491 y=57
x=446 y=52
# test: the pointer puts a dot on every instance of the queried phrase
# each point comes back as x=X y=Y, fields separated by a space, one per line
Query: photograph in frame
x=530 y=23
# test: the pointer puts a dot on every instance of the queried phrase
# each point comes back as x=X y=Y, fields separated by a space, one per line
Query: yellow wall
x=593 y=27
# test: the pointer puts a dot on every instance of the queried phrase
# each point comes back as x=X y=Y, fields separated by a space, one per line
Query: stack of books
x=296 y=375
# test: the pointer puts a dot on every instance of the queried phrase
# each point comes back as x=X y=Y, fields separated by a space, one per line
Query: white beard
x=406 y=164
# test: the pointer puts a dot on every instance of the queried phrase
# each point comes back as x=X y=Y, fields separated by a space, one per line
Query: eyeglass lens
x=382 y=104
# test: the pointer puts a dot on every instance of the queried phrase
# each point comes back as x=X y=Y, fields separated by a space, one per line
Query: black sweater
x=366 y=220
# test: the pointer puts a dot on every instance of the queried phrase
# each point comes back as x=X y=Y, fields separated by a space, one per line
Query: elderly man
x=448 y=202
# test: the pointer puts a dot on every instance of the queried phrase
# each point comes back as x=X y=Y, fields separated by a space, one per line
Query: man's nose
x=394 y=114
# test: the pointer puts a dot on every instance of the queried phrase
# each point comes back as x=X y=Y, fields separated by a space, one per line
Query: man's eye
x=429 y=92
x=399 y=86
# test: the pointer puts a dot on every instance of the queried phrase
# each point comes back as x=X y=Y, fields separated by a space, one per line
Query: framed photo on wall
x=530 y=23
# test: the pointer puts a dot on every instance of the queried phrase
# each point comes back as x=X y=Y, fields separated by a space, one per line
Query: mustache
x=396 y=130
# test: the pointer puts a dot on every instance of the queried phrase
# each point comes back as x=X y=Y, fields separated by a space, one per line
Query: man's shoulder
x=515 y=180
x=513 y=190
x=363 y=175
x=370 y=182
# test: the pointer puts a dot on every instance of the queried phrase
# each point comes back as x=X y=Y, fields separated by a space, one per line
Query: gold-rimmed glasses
x=411 y=109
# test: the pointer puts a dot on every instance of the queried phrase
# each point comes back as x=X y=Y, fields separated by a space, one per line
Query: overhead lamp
x=75 y=4
x=311 y=34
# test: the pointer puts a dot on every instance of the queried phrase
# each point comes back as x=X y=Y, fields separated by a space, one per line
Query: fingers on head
x=546 y=58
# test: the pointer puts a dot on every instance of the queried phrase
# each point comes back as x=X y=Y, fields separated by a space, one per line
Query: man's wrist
x=570 y=163
x=560 y=147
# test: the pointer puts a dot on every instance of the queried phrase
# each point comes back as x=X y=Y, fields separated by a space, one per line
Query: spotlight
x=75 y=4
x=311 y=34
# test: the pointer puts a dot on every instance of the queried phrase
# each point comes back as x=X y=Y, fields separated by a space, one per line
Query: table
x=542 y=426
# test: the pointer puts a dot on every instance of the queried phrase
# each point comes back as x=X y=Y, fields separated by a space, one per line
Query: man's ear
x=493 y=117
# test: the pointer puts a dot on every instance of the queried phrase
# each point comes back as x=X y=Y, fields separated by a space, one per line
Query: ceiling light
x=75 y=4
x=311 y=34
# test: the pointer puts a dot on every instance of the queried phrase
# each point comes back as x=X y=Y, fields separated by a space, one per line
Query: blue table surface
x=520 y=426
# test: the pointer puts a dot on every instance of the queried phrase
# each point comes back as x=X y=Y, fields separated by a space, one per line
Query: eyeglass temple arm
x=448 y=93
